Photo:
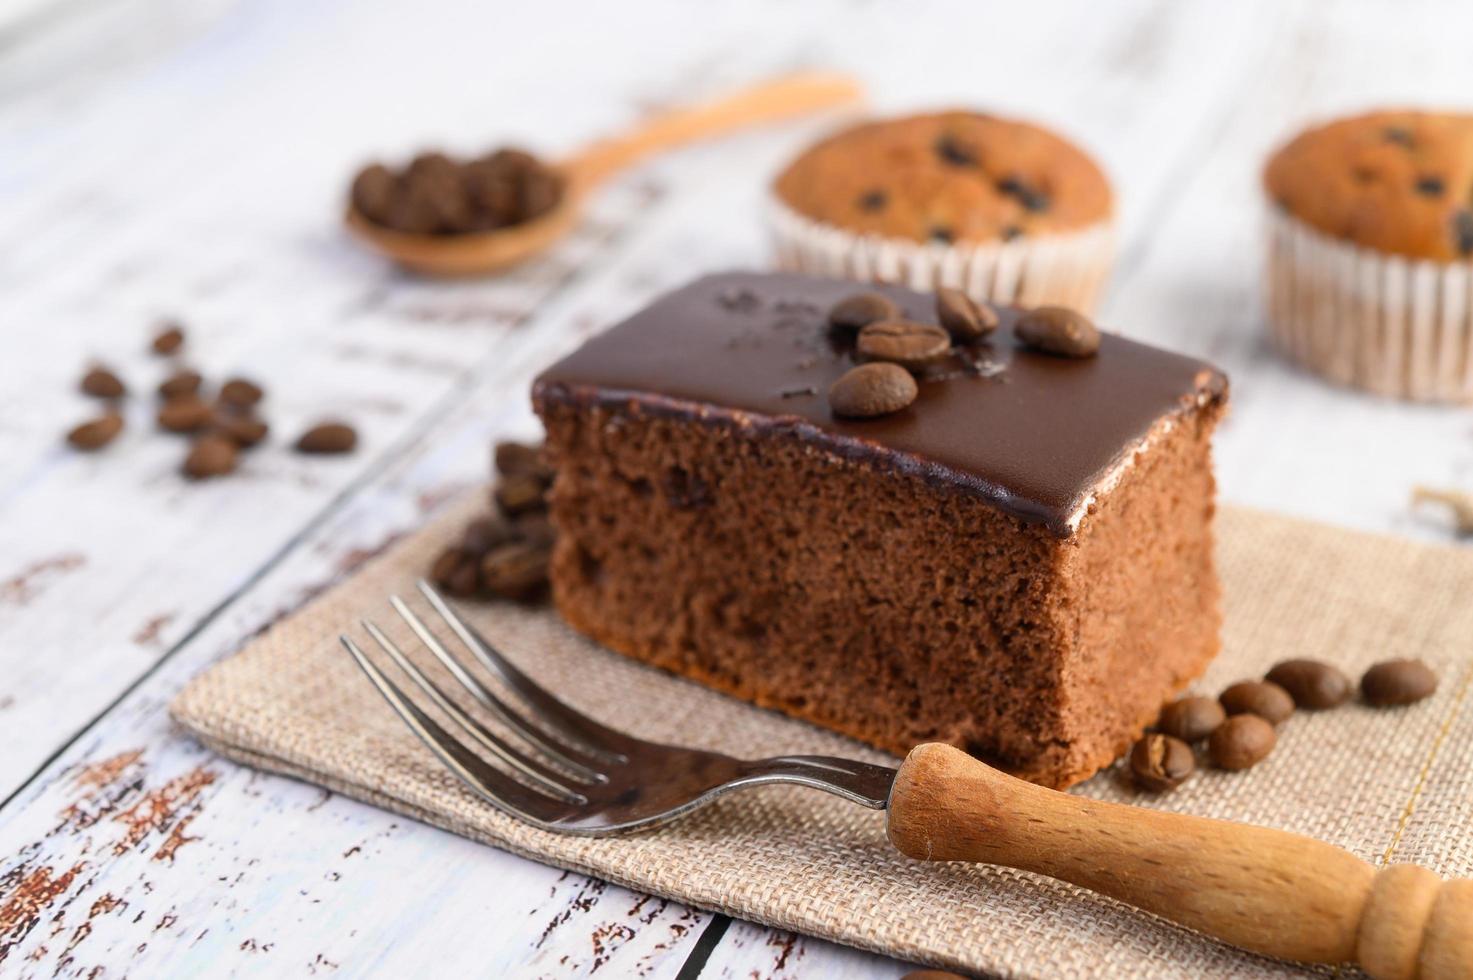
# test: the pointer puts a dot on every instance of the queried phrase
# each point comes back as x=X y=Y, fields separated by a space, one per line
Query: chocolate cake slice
x=1018 y=563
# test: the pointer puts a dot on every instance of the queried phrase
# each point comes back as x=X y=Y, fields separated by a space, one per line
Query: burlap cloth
x=1390 y=785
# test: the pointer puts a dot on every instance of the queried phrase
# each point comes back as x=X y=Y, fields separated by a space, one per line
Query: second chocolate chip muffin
x=1004 y=209
x=1371 y=252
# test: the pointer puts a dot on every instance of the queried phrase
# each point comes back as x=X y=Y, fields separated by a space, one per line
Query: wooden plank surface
x=155 y=162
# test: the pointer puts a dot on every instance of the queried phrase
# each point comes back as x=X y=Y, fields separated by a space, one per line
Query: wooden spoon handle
x=766 y=102
x=1264 y=890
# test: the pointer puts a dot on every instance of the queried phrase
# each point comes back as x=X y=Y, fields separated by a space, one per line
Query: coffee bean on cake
x=96 y=433
x=102 y=382
x=1397 y=682
x=1241 y=742
x=1312 y=683
x=904 y=342
x=964 y=319
x=872 y=390
x=327 y=439
x=860 y=310
x=1160 y=762
x=1262 y=698
x=187 y=413
x=1058 y=330
x=1191 y=718
x=210 y=456
x=168 y=340
x=241 y=393
x=183 y=382
x=518 y=493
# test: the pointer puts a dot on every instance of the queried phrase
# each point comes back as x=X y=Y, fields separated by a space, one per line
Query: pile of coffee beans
x=894 y=348
x=220 y=425
x=1240 y=726
x=504 y=554
x=438 y=195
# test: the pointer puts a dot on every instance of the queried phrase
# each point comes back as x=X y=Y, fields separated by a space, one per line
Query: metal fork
x=1264 y=890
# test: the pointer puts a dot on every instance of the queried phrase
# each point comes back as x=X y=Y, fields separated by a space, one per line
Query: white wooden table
x=163 y=160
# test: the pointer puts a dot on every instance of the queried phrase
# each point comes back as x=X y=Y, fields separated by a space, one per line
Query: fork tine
x=578 y=762
x=572 y=724
x=492 y=785
x=543 y=776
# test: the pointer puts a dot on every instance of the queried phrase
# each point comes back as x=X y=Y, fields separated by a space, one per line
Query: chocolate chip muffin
x=1371 y=252
x=1006 y=210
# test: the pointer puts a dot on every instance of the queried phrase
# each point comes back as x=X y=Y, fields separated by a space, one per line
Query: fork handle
x=1263 y=890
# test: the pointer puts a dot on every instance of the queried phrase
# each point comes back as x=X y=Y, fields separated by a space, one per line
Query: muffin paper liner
x=1383 y=323
x=1066 y=269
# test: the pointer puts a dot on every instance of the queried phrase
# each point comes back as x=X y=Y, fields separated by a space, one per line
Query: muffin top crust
x=949 y=177
x=1399 y=182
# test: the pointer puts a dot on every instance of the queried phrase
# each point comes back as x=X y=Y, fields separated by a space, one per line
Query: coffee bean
x=457 y=573
x=535 y=526
x=1311 y=683
x=871 y=390
x=168 y=340
x=903 y=342
x=1191 y=719
x=187 y=413
x=1262 y=698
x=520 y=457
x=1241 y=742
x=1397 y=682
x=517 y=570
x=243 y=430
x=181 y=383
x=240 y=393
x=446 y=564
x=93 y=435
x=519 y=493
x=210 y=456
x=1160 y=762
x=483 y=534
x=860 y=310
x=965 y=320
x=1058 y=330
x=328 y=438
x=100 y=382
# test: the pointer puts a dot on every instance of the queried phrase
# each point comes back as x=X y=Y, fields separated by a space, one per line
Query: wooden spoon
x=486 y=251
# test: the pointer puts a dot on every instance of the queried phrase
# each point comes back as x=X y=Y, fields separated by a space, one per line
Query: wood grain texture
x=158 y=159
x=1256 y=888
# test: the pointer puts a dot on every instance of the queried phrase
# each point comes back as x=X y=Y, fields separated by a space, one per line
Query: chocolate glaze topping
x=1030 y=432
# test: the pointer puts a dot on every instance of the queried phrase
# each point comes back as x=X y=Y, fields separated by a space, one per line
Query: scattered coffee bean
x=1241 y=742
x=1311 y=683
x=328 y=438
x=519 y=493
x=1397 y=682
x=909 y=344
x=100 y=382
x=181 y=383
x=520 y=457
x=93 y=435
x=517 y=570
x=860 y=310
x=1160 y=762
x=210 y=456
x=187 y=413
x=168 y=340
x=457 y=573
x=483 y=534
x=240 y=393
x=1191 y=719
x=1262 y=698
x=243 y=430
x=1058 y=330
x=964 y=319
x=871 y=390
